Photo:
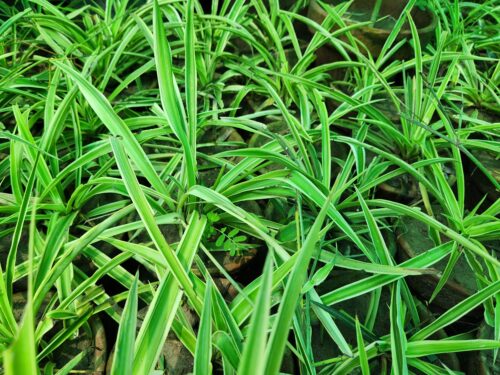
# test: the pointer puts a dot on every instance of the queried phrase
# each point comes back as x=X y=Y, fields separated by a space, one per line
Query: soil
x=90 y=337
x=413 y=239
x=492 y=164
x=416 y=234
x=361 y=11
x=403 y=188
x=21 y=256
x=481 y=362
x=373 y=38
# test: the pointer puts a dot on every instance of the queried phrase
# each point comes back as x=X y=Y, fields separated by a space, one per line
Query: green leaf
x=378 y=241
x=12 y=20
x=368 y=284
x=433 y=223
x=225 y=344
x=203 y=354
x=279 y=333
x=213 y=197
x=329 y=324
x=123 y=359
x=220 y=240
x=146 y=213
x=457 y=311
x=255 y=345
x=116 y=126
x=398 y=338
x=16 y=237
x=363 y=359
x=443 y=279
x=169 y=91
x=430 y=347
x=319 y=276
x=306 y=187
x=20 y=357
x=166 y=301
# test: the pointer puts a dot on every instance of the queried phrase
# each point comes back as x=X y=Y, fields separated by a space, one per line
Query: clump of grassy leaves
x=110 y=105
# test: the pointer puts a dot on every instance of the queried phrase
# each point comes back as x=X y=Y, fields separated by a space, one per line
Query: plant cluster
x=143 y=145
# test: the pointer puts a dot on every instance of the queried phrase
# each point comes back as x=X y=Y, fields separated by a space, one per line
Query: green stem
x=376 y=11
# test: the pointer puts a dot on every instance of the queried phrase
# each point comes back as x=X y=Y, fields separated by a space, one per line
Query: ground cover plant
x=249 y=187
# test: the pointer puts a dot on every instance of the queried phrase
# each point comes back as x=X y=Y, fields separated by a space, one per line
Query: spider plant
x=112 y=117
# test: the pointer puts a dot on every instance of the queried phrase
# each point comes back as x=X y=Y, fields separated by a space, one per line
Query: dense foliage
x=142 y=145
